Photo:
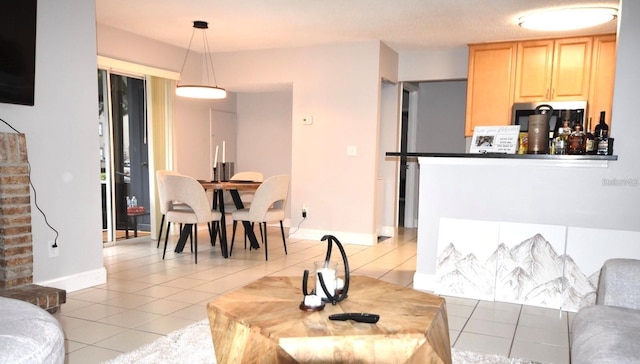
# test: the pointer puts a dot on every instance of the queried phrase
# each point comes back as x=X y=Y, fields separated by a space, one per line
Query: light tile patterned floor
x=146 y=297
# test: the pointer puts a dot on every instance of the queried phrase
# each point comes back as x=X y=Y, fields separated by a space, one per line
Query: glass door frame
x=107 y=127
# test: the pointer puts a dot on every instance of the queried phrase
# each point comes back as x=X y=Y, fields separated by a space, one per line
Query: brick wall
x=16 y=254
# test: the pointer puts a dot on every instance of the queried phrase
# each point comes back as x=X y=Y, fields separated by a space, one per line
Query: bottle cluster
x=570 y=136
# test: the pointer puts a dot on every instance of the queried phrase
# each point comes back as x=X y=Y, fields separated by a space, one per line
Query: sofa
x=609 y=331
x=29 y=334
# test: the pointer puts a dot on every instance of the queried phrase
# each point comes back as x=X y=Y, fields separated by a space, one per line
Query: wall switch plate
x=352 y=151
x=307 y=120
x=53 y=251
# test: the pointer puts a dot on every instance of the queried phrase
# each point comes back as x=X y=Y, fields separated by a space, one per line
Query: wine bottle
x=602 y=135
x=602 y=129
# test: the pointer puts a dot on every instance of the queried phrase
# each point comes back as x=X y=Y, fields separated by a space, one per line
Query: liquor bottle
x=561 y=139
x=602 y=136
x=602 y=129
x=590 y=141
x=576 y=141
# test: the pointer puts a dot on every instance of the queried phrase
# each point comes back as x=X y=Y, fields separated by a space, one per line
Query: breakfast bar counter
x=533 y=190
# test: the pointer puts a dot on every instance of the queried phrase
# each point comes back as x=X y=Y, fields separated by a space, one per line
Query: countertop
x=507 y=156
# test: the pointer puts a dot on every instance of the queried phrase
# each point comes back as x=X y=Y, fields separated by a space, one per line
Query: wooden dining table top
x=230 y=185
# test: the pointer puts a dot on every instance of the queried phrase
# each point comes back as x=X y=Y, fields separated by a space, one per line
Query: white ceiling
x=404 y=25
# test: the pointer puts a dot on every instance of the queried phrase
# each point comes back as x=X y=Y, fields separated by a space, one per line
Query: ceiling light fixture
x=568 y=18
x=208 y=91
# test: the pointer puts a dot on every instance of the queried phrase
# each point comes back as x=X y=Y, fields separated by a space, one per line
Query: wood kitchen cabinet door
x=533 y=72
x=490 y=85
x=603 y=66
x=556 y=70
x=571 y=69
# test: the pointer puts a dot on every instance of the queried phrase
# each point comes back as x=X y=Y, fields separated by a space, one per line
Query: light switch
x=307 y=120
x=352 y=150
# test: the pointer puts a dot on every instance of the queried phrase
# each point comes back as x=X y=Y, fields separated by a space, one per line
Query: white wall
x=441 y=117
x=264 y=132
x=62 y=141
x=434 y=65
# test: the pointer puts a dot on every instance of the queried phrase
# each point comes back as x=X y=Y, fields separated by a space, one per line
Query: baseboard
x=389 y=231
x=343 y=237
x=78 y=281
x=424 y=281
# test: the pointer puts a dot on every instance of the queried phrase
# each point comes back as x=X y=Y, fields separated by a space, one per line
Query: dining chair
x=189 y=191
x=164 y=204
x=267 y=205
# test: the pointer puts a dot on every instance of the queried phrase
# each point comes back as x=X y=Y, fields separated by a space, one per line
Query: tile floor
x=146 y=297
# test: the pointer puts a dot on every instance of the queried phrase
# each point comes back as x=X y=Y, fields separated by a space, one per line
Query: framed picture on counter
x=495 y=139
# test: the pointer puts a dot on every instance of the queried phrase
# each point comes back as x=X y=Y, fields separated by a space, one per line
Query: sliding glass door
x=124 y=156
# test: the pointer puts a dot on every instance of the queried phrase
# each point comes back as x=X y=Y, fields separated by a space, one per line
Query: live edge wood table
x=262 y=323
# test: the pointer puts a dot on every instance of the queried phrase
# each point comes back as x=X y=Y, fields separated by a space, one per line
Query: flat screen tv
x=17 y=51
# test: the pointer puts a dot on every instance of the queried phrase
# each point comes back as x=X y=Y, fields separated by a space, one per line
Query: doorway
x=124 y=156
x=408 y=171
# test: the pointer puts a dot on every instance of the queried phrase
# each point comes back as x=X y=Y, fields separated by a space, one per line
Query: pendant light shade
x=568 y=18
x=210 y=90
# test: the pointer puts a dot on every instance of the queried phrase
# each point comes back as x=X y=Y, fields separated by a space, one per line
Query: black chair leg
x=166 y=239
x=219 y=224
x=283 y=241
x=233 y=236
x=195 y=251
x=213 y=230
x=266 y=247
x=211 y=233
x=191 y=233
x=160 y=233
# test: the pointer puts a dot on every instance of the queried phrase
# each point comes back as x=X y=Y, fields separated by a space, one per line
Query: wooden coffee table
x=262 y=322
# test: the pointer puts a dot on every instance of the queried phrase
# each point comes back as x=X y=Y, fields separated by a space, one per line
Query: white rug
x=193 y=344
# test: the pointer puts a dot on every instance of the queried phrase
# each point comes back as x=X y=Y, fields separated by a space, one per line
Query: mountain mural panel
x=532 y=271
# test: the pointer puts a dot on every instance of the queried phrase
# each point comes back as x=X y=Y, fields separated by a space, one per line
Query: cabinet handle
x=553 y=93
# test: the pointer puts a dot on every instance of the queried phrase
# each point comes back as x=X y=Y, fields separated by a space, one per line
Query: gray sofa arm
x=619 y=283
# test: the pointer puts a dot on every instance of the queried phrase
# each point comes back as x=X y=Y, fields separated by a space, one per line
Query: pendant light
x=568 y=18
x=209 y=90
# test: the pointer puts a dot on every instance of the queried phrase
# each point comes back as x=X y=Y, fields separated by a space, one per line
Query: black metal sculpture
x=339 y=295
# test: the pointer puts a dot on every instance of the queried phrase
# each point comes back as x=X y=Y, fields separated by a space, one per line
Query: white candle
x=223 y=151
x=312 y=301
x=215 y=159
x=329 y=278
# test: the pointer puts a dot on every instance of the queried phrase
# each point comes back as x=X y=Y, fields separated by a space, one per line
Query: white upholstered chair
x=164 y=204
x=190 y=192
x=268 y=205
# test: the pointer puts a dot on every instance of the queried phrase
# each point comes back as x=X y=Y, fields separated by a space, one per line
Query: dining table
x=234 y=187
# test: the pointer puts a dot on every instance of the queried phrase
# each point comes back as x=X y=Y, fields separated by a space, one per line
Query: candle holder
x=326 y=280
x=225 y=171
x=215 y=174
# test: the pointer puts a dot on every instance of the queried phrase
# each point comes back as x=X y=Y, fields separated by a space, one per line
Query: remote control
x=370 y=318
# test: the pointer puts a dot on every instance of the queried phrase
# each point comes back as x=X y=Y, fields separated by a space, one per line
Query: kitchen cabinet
x=553 y=69
x=490 y=85
x=566 y=69
x=603 y=63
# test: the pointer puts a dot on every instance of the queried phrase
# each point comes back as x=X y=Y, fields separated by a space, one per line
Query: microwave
x=576 y=109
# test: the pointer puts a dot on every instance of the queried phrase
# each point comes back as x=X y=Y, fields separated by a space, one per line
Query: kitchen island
x=483 y=218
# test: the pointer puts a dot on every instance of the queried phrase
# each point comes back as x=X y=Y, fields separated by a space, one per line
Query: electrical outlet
x=305 y=210
x=54 y=251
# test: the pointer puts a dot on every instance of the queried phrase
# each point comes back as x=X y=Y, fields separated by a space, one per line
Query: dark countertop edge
x=507 y=156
